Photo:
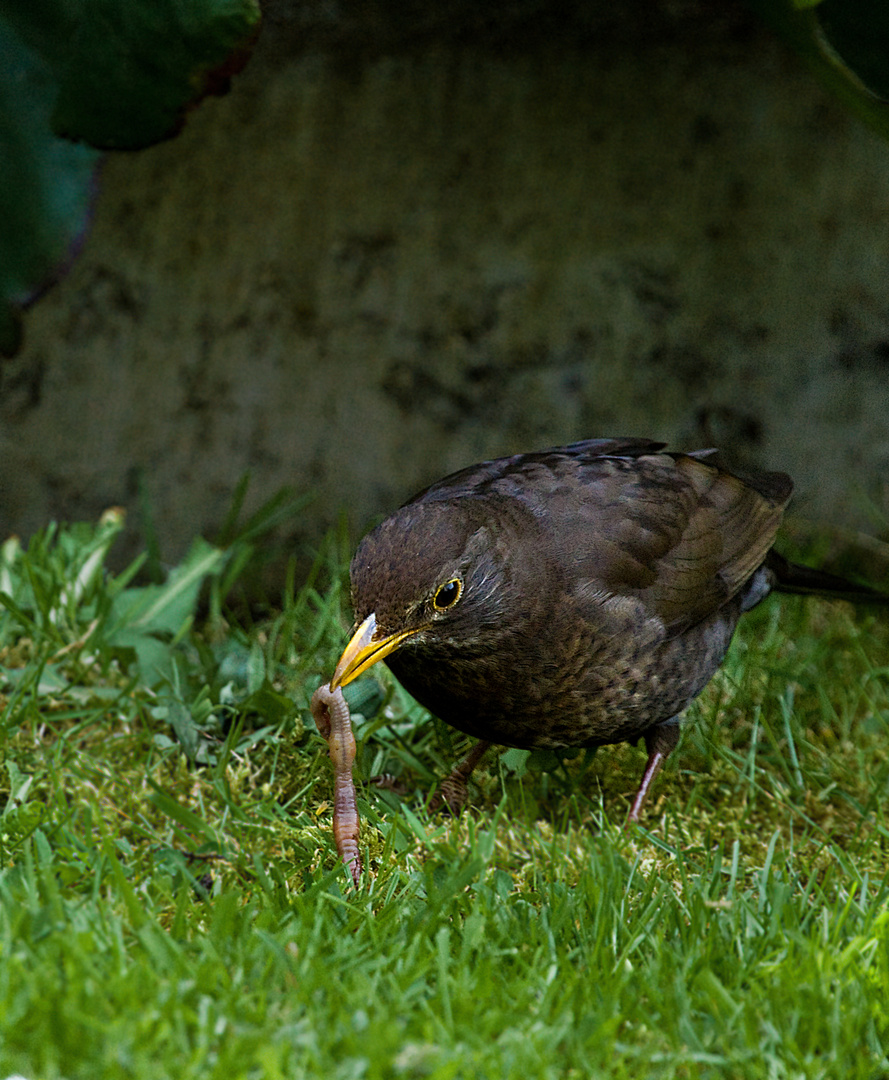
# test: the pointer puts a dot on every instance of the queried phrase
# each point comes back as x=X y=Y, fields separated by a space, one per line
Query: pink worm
x=331 y=714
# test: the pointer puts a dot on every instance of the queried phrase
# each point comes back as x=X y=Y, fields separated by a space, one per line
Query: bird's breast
x=575 y=685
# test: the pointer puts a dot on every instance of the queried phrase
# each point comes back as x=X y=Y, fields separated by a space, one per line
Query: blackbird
x=579 y=596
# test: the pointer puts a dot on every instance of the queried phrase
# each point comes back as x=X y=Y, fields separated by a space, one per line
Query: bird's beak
x=365 y=649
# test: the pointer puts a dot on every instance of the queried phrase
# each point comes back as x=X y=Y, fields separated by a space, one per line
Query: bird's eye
x=447 y=595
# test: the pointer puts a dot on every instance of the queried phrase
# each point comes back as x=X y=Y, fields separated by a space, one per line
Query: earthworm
x=331 y=714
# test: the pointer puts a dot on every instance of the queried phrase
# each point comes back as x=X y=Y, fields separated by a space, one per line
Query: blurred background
x=412 y=236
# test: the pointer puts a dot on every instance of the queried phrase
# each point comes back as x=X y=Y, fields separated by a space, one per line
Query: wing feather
x=677 y=532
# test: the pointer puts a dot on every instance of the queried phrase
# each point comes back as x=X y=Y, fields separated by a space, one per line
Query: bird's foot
x=388 y=782
x=450 y=798
x=453 y=793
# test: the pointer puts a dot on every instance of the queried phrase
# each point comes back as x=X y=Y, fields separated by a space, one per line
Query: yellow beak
x=364 y=650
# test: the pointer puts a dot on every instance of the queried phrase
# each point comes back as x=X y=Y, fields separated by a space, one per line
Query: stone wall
x=366 y=267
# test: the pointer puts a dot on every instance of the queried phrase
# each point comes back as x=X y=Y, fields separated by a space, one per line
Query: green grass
x=171 y=904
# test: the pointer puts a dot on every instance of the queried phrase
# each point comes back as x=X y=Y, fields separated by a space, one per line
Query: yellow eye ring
x=447 y=595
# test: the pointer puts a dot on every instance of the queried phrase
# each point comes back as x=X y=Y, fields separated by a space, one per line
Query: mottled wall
x=362 y=269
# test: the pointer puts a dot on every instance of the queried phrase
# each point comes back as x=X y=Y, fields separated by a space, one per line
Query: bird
x=578 y=596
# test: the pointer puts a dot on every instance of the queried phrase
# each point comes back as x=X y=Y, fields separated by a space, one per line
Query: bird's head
x=431 y=574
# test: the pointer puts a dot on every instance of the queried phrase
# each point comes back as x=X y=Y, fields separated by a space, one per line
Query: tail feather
x=791 y=577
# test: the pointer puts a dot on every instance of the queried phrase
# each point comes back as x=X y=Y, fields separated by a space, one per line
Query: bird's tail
x=805 y=580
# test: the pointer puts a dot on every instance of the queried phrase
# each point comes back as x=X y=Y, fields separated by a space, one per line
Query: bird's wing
x=478 y=479
x=675 y=532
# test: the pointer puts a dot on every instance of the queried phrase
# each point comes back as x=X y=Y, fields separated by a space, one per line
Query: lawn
x=171 y=903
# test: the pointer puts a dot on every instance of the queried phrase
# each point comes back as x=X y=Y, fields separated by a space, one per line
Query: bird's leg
x=452 y=794
x=660 y=742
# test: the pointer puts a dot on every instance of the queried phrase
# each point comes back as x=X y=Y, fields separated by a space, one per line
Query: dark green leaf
x=857 y=33
x=516 y=761
x=844 y=42
x=164 y=608
x=115 y=74
x=46 y=185
x=268 y=703
x=149 y=619
x=185 y=728
x=124 y=73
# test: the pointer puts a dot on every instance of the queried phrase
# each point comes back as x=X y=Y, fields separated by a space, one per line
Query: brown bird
x=579 y=596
